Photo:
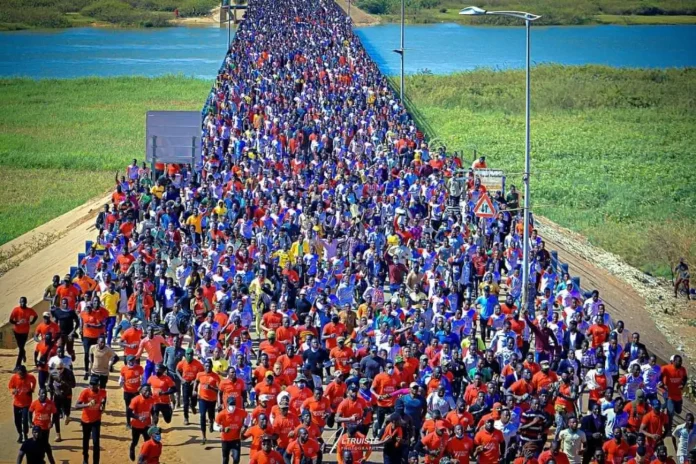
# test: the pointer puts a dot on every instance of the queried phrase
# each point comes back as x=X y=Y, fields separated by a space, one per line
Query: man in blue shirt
x=414 y=406
x=486 y=303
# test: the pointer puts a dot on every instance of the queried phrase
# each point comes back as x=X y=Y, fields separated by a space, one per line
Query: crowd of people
x=322 y=274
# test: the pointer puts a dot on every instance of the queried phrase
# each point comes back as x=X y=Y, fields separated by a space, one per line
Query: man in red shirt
x=489 y=443
x=187 y=369
x=22 y=386
x=22 y=318
x=151 y=450
x=304 y=446
x=162 y=387
x=43 y=410
x=615 y=450
x=130 y=379
x=673 y=380
x=434 y=444
x=460 y=447
x=92 y=402
x=139 y=415
x=267 y=455
x=554 y=453
x=383 y=386
x=233 y=421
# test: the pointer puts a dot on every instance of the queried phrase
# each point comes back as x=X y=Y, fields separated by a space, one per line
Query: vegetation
x=26 y=14
x=612 y=149
x=565 y=12
x=61 y=141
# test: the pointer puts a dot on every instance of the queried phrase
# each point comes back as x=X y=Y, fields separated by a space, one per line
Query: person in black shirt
x=33 y=449
x=371 y=365
x=68 y=321
x=315 y=356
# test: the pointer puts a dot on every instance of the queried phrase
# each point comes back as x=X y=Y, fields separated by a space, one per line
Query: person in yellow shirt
x=157 y=190
x=110 y=299
x=220 y=209
x=255 y=290
x=283 y=257
x=196 y=220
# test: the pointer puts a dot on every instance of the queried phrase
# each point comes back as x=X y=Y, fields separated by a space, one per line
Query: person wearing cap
x=351 y=410
x=545 y=377
x=130 y=379
x=162 y=388
x=269 y=388
x=372 y=364
x=267 y=455
x=151 y=450
x=46 y=326
x=273 y=348
x=299 y=393
x=342 y=356
x=187 y=369
x=284 y=422
x=206 y=388
x=434 y=444
x=139 y=417
x=92 y=402
x=233 y=422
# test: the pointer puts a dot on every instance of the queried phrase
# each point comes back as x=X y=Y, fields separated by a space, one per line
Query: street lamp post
x=528 y=19
x=400 y=51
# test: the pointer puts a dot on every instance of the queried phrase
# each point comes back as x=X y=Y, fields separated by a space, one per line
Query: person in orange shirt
x=232 y=387
x=272 y=320
x=267 y=455
x=22 y=386
x=304 y=446
x=233 y=422
x=269 y=388
x=354 y=443
x=22 y=318
x=92 y=324
x=67 y=290
x=286 y=334
x=44 y=351
x=131 y=338
x=187 y=369
x=673 y=379
x=342 y=356
x=151 y=450
x=46 y=326
x=615 y=450
x=139 y=416
x=272 y=348
x=383 y=386
x=332 y=331
x=284 y=422
x=351 y=410
x=545 y=377
x=299 y=393
x=653 y=424
x=291 y=362
x=162 y=387
x=318 y=406
x=206 y=387
x=261 y=429
x=92 y=401
x=489 y=443
x=43 y=410
x=335 y=391
x=130 y=379
x=434 y=444
x=461 y=416
x=460 y=447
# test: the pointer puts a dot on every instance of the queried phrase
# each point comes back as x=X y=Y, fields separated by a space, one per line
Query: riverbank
x=577 y=12
x=612 y=143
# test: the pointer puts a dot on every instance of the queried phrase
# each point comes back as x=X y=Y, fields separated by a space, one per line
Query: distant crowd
x=320 y=286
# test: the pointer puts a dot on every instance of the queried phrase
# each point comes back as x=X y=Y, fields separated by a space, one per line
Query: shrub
x=192 y=8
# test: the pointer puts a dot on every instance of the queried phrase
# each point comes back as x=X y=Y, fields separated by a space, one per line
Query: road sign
x=484 y=207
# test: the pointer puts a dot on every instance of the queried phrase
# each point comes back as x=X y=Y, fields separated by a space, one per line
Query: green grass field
x=553 y=12
x=612 y=149
x=62 y=141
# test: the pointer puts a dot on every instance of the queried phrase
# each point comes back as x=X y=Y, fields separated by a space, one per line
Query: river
x=441 y=48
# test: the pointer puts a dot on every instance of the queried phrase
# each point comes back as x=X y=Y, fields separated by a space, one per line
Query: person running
x=21 y=386
x=162 y=388
x=139 y=413
x=101 y=360
x=187 y=370
x=43 y=410
x=206 y=388
x=92 y=323
x=61 y=385
x=151 y=450
x=233 y=422
x=33 y=449
x=130 y=379
x=152 y=345
x=92 y=402
x=22 y=318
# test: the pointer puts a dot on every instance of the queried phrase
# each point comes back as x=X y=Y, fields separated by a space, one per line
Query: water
x=442 y=48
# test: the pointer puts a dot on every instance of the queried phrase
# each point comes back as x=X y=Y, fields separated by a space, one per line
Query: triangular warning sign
x=484 y=207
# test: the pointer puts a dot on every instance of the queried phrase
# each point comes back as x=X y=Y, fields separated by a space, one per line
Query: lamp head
x=472 y=11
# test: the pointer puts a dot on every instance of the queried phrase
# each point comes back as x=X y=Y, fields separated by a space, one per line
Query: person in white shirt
x=591 y=305
x=438 y=401
x=58 y=359
x=684 y=438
